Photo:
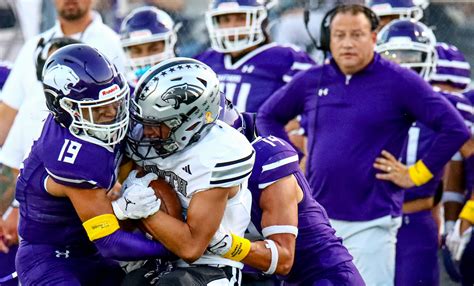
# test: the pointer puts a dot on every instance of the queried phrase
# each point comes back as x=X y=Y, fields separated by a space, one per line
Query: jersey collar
x=228 y=59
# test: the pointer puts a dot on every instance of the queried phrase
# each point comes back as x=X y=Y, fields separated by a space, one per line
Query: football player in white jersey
x=175 y=134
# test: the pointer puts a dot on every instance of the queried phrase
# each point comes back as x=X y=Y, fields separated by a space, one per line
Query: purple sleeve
x=288 y=161
x=282 y=106
x=126 y=246
x=430 y=108
x=300 y=61
x=4 y=71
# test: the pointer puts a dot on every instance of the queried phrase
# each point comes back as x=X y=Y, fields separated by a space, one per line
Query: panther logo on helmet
x=61 y=78
x=184 y=93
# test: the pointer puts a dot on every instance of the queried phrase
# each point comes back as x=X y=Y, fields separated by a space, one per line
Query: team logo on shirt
x=323 y=92
x=61 y=78
x=183 y=93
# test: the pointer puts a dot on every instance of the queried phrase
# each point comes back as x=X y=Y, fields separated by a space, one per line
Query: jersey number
x=240 y=101
x=69 y=151
x=272 y=141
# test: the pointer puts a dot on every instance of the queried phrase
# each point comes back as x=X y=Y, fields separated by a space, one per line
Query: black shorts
x=198 y=275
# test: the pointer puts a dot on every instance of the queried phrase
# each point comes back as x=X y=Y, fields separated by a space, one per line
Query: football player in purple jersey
x=250 y=67
x=364 y=107
x=9 y=170
x=70 y=235
x=291 y=233
x=389 y=10
x=413 y=45
x=452 y=77
x=148 y=36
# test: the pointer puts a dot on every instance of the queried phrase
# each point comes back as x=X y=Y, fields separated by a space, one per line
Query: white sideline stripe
x=279 y=163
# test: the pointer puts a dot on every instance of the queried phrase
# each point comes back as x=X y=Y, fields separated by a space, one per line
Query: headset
x=325 y=31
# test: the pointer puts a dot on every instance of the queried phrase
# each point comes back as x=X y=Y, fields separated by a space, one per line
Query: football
x=170 y=203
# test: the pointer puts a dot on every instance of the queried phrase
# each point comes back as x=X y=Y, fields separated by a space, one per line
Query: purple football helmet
x=86 y=94
x=403 y=9
x=411 y=44
x=233 y=39
x=5 y=69
x=451 y=67
x=142 y=26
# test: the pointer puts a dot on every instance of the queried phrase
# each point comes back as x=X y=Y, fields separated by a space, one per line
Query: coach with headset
x=359 y=108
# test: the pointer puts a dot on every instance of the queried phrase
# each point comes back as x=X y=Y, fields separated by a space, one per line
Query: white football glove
x=133 y=180
x=456 y=242
x=136 y=202
x=220 y=243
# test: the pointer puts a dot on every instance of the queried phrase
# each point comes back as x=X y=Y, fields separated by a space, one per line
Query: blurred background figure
x=413 y=45
x=148 y=36
x=389 y=10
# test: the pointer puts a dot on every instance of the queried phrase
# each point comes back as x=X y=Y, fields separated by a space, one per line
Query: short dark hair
x=355 y=9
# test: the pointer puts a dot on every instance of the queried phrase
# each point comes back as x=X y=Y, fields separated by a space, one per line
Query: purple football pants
x=41 y=264
x=344 y=274
x=7 y=267
x=417 y=246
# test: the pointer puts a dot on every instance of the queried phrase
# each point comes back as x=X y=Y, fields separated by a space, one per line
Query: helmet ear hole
x=191 y=128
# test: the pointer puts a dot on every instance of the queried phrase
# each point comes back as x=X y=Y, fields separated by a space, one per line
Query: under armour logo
x=248 y=68
x=323 y=91
x=64 y=254
x=127 y=201
x=187 y=169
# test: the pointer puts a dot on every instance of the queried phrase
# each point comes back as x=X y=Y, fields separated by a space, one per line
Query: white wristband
x=277 y=229
x=453 y=197
x=457 y=157
x=118 y=211
x=274 y=262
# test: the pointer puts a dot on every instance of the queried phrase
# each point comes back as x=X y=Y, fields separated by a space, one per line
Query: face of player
x=72 y=9
x=234 y=20
x=147 y=49
x=104 y=114
x=352 y=42
x=160 y=131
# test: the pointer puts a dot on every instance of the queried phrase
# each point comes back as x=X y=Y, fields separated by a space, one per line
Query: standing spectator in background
x=360 y=107
x=412 y=45
x=243 y=56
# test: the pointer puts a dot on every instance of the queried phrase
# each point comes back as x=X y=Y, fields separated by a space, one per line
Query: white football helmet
x=180 y=93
